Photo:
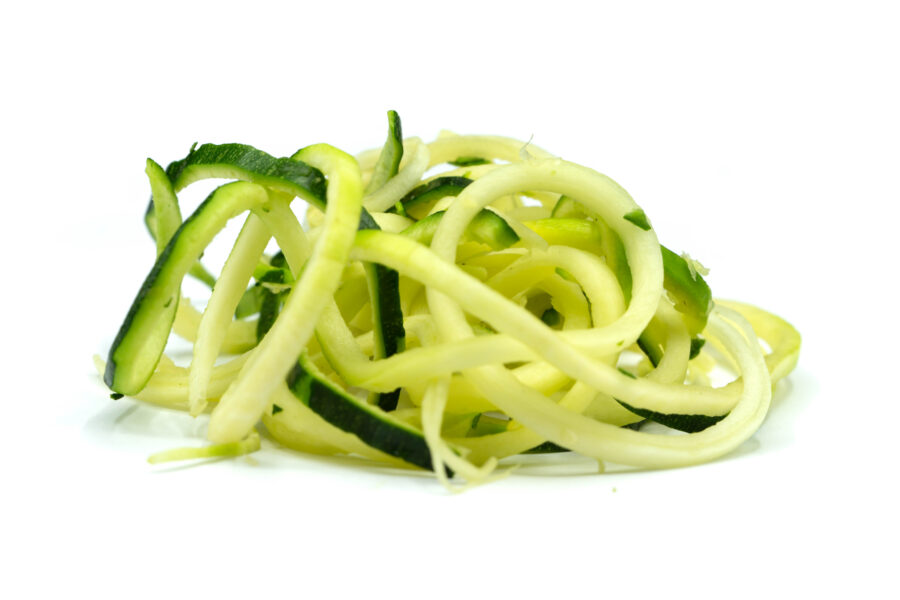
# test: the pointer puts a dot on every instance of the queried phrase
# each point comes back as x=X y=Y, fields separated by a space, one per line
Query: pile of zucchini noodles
x=446 y=305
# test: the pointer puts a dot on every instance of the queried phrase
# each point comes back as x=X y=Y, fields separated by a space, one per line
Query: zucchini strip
x=420 y=199
x=370 y=424
x=487 y=227
x=405 y=179
x=166 y=221
x=244 y=402
x=442 y=453
x=239 y=161
x=142 y=337
x=238 y=269
x=240 y=336
x=688 y=290
x=384 y=283
x=516 y=441
x=166 y=213
x=294 y=425
x=387 y=317
x=782 y=338
x=389 y=161
x=163 y=217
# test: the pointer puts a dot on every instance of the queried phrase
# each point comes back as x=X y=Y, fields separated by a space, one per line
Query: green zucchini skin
x=252 y=300
x=681 y=422
x=391 y=154
x=638 y=218
x=384 y=283
x=142 y=337
x=690 y=295
x=613 y=249
x=385 y=290
x=686 y=423
x=469 y=161
x=166 y=219
x=551 y=317
x=697 y=344
x=240 y=161
x=198 y=271
x=546 y=448
x=246 y=163
x=166 y=214
x=434 y=190
x=348 y=413
x=652 y=343
x=270 y=302
x=164 y=201
x=688 y=291
x=487 y=227
x=390 y=334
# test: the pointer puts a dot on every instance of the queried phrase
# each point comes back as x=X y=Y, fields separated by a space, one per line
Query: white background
x=760 y=137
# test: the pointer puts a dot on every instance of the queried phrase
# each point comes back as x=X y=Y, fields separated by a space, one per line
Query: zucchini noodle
x=445 y=306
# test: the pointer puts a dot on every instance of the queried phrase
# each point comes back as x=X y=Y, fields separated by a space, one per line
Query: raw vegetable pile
x=512 y=302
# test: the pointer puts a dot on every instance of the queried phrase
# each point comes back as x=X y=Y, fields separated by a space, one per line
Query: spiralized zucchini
x=446 y=305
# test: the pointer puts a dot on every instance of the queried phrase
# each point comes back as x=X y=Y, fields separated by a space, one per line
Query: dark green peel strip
x=652 y=341
x=391 y=154
x=270 y=301
x=276 y=272
x=246 y=163
x=551 y=317
x=469 y=161
x=240 y=161
x=166 y=220
x=197 y=271
x=686 y=423
x=434 y=190
x=546 y=448
x=697 y=344
x=487 y=228
x=384 y=283
x=370 y=424
x=143 y=335
x=387 y=315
